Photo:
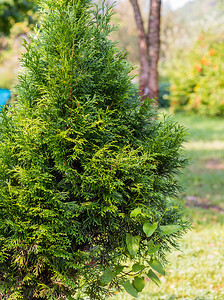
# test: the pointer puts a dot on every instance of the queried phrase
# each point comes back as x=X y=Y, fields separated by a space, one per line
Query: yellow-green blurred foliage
x=10 y=53
x=11 y=38
x=197 y=81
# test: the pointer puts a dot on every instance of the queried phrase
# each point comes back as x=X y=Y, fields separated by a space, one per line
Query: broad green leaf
x=119 y=269
x=107 y=277
x=149 y=229
x=156 y=265
x=169 y=229
x=137 y=268
x=153 y=249
x=135 y=212
x=139 y=283
x=153 y=277
x=150 y=244
x=130 y=289
x=132 y=243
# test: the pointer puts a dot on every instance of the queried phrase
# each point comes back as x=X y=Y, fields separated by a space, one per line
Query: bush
x=88 y=189
x=197 y=83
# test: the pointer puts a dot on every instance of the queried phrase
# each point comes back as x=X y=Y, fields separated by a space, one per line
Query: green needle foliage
x=88 y=193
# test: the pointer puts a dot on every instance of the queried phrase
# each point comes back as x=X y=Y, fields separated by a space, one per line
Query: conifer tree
x=88 y=189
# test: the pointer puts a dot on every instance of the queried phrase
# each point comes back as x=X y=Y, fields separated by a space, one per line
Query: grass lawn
x=197 y=272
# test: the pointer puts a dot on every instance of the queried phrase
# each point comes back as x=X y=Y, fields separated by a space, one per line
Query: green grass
x=197 y=272
x=202 y=128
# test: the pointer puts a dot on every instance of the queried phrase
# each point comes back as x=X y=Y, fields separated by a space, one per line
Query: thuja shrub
x=88 y=189
x=197 y=83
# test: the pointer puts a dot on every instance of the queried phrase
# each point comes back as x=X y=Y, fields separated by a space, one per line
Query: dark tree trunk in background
x=143 y=51
x=149 y=47
x=154 y=46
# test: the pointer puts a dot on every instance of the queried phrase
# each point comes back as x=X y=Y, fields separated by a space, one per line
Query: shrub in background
x=164 y=88
x=88 y=189
x=13 y=11
x=197 y=82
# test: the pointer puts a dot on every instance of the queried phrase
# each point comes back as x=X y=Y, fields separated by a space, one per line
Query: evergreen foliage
x=88 y=193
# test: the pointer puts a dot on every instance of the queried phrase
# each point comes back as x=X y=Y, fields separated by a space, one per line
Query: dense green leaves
x=137 y=267
x=156 y=265
x=88 y=175
x=149 y=229
x=169 y=229
x=139 y=283
x=132 y=243
x=107 y=276
x=153 y=250
x=153 y=277
x=137 y=211
x=130 y=289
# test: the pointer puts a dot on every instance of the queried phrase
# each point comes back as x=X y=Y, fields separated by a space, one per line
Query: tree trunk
x=143 y=51
x=154 y=47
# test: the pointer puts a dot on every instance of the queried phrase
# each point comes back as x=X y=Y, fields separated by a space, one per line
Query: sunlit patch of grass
x=204 y=217
x=205 y=145
x=205 y=183
x=202 y=128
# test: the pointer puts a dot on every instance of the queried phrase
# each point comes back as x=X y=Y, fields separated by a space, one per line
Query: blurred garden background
x=191 y=89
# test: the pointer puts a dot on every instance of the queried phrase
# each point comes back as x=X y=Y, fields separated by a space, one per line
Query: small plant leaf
x=130 y=289
x=119 y=269
x=149 y=229
x=107 y=276
x=153 y=277
x=137 y=268
x=157 y=266
x=139 y=283
x=132 y=243
x=153 y=249
x=135 y=212
x=169 y=229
